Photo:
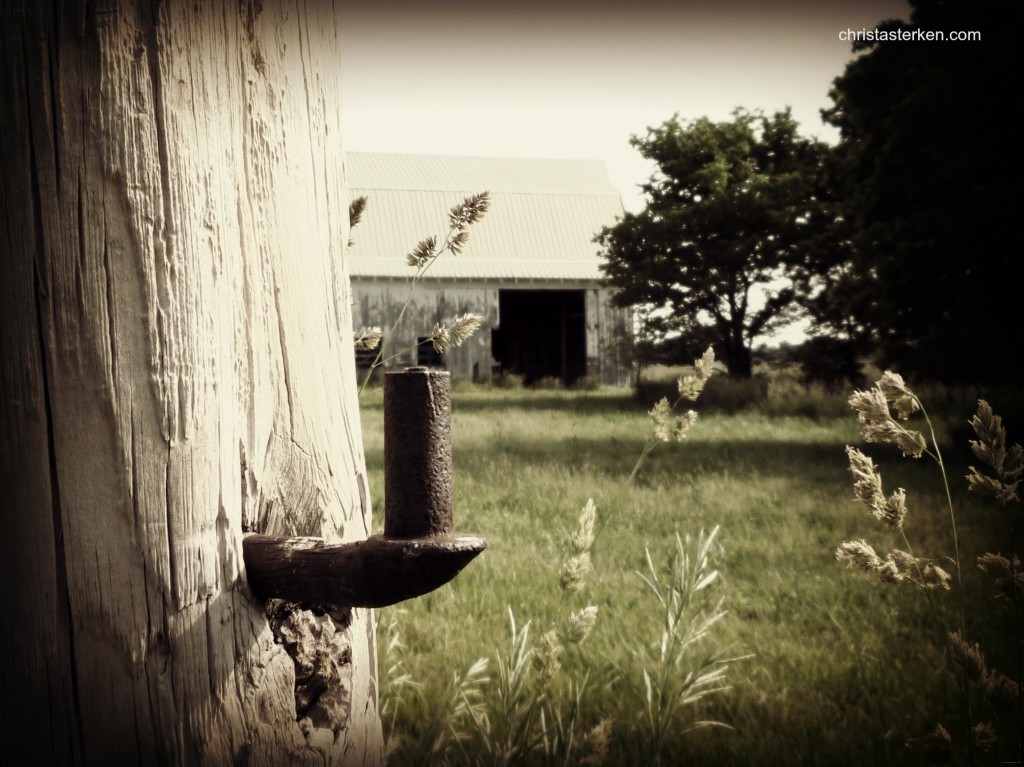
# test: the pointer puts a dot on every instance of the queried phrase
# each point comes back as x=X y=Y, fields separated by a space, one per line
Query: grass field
x=839 y=669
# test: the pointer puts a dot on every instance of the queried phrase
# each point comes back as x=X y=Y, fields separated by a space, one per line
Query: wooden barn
x=531 y=267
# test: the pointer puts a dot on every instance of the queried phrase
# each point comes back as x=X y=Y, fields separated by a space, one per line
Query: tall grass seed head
x=573 y=573
x=909 y=442
x=867 y=482
x=867 y=489
x=1004 y=492
x=859 y=554
x=462 y=328
x=582 y=538
x=999 y=690
x=355 y=214
x=877 y=423
x=967 y=656
x=704 y=366
x=596 y=743
x=469 y=211
x=870 y=405
x=984 y=736
x=659 y=419
x=423 y=252
x=889 y=572
x=936 y=746
x=898 y=394
x=905 y=563
x=356 y=208
x=897 y=566
x=921 y=572
x=1008 y=579
x=581 y=624
x=367 y=339
x=990 y=447
x=934 y=577
x=683 y=424
x=547 y=657
x=458 y=243
x=895 y=509
x=690 y=386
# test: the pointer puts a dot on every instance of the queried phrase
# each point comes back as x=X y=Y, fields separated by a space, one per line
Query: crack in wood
x=284 y=358
x=64 y=611
x=111 y=323
x=176 y=599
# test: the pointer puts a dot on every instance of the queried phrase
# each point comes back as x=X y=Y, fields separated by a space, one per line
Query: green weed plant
x=840 y=676
x=531 y=709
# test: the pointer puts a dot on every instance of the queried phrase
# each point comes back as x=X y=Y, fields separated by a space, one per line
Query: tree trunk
x=176 y=368
x=735 y=351
x=741 y=362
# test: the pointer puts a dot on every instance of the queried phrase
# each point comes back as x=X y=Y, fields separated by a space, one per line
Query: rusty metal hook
x=418 y=551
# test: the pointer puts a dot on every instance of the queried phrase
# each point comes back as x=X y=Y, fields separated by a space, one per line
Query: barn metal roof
x=543 y=218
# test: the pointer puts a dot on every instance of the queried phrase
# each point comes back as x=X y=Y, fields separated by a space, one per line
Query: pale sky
x=575 y=79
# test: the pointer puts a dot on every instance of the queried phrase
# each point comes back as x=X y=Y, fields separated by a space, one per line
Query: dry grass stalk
x=881 y=411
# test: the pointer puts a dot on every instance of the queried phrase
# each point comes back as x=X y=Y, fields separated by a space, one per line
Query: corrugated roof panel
x=543 y=218
x=440 y=173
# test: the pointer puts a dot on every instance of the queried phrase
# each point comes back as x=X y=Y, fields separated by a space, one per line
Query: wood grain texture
x=175 y=367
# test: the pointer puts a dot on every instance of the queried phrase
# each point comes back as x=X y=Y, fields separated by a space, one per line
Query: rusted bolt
x=418 y=551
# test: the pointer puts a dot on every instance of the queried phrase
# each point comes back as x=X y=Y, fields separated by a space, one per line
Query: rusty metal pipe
x=418 y=551
x=417 y=453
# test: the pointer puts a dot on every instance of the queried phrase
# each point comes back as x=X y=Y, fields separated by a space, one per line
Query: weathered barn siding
x=607 y=327
x=378 y=302
x=435 y=301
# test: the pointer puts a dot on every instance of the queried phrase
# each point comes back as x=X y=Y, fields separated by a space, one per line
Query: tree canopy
x=736 y=218
x=933 y=183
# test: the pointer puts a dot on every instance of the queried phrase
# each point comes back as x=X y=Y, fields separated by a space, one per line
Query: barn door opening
x=542 y=334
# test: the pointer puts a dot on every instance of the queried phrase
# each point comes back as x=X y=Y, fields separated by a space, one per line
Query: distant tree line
x=900 y=243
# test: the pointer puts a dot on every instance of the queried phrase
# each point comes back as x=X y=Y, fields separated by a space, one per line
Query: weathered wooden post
x=175 y=369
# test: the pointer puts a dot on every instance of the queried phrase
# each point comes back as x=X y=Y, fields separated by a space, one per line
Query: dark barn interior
x=542 y=334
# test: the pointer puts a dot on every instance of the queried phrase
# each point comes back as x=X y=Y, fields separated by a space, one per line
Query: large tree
x=735 y=218
x=929 y=144
x=176 y=368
